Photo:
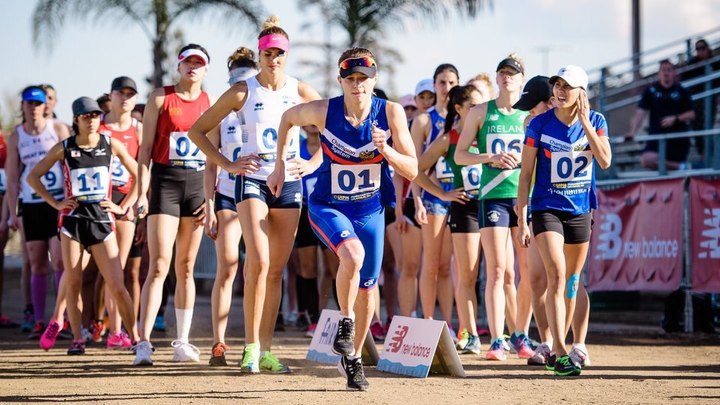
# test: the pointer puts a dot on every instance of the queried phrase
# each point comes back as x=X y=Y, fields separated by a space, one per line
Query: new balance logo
x=710 y=235
x=610 y=241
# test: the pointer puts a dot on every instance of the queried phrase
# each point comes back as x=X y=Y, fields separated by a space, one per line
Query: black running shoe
x=345 y=338
x=352 y=369
x=550 y=362
x=76 y=348
x=565 y=367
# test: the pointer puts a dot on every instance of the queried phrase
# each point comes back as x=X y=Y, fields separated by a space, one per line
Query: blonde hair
x=242 y=57
x=272 y=26
x=514 y=56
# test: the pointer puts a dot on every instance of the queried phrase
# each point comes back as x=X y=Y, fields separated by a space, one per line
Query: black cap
x=123 y=82
x=536 y=90
x=85 y=105
x=512 y=63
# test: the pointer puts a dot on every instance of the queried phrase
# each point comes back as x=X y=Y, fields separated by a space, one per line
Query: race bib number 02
x=471 y=178
x=571 y=166
x=90 y=183
x=354 y=182
x=183 y=152
x=497 y=143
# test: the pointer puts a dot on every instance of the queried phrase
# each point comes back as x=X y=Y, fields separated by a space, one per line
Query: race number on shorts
x=569 y=166
x=354 y=182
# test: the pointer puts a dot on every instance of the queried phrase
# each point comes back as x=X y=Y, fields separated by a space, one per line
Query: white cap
x=425 y=85
x=575 y=76
x=407 y=101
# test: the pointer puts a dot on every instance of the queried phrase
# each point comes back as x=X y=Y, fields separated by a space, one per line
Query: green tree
x=155 y=18
x=366 y=22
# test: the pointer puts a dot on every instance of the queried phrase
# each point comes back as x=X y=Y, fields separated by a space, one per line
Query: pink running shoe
x=377 y=331
x=48 y=338
x=496 y=351
x=118 y=341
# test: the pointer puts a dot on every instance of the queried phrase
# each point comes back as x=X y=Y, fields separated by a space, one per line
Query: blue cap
x=34 y=94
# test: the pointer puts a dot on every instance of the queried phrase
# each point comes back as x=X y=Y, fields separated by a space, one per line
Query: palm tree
x=155 y=18
x=365 y=22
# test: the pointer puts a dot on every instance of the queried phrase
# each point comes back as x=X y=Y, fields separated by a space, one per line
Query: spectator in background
x=697 y=69
x=104 y=102
x=408 y=103
x=670 y=109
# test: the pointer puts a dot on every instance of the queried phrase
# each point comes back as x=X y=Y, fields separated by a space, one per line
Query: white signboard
x=320 y=350
x=417 y=347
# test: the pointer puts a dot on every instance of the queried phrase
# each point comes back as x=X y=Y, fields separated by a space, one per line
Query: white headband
x=240 y=74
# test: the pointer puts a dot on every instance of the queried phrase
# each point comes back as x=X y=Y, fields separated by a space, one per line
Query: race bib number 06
x=497 y=143
x=360 y=181
x=571 y=166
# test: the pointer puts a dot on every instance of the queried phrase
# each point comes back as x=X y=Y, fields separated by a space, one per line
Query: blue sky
x=87 y=55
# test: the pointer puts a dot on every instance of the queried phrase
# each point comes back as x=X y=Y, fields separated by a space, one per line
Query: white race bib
x=183 y=152
x=120 y=175
x=3 y=181
x=233 y=153
x=90 y=183
x=471 y=178
x=496 y=143
x=52 y=180
x=266 y=138
x=571 y=166
x=443 y=171
x=354 y=182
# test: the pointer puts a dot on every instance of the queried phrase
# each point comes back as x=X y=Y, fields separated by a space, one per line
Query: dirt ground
x=631 y=364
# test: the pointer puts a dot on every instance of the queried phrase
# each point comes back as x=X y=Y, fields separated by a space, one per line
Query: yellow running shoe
x=269 y=363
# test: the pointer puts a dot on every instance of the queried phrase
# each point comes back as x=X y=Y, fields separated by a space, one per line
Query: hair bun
x=272 y=21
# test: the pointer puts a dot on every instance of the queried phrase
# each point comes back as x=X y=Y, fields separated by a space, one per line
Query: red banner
x=705 y=234
x=636 y=242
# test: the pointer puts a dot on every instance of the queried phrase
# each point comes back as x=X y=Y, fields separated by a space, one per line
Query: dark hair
x=272 y=26
x=242 y=58
x=666 y=61
x=457 y=96
x=380 y=93
x=444 y=67
x=702 y=41
x=195 y=46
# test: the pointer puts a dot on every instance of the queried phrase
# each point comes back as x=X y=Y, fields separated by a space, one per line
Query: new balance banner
x=636 y=243
x=705 y=234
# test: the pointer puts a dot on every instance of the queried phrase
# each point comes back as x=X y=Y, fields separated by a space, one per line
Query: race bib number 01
x=183 y=152
x=471 y=178
x=571 y=166
x=91 y=183
x=120 y=175
x=497 y=143
x=354 y=182
x=443 y=172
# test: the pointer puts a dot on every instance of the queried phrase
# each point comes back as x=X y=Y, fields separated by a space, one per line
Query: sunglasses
x=365 y=61
x=91 y=115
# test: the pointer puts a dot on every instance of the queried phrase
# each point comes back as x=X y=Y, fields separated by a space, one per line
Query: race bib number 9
x=90 y=183
x=497 y=143
x=354 y=182
x=120 y=175
x=571 y=166
x=183 y=152
x=443 y=172
x=471 y=179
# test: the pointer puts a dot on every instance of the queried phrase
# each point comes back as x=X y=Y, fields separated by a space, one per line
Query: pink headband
x=273 y=41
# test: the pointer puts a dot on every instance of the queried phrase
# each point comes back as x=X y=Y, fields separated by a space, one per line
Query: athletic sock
x=38 y=287
x=57 y=276
x=183 y=319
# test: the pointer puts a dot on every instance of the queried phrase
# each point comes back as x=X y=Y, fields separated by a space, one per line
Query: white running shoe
x=185 y=351
x=143 y=354
x=580 y=355
x=540 y=357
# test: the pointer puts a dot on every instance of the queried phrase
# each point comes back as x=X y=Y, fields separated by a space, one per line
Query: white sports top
x=230 y=147
x=260 y=118
x=32 y=148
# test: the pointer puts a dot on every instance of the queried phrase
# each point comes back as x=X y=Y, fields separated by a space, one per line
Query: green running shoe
x=251 y=359
x=271 y=364
x=566 y=367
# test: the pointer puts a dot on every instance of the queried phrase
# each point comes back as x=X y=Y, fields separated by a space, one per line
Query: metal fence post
x=662 y=162
x=686 y=284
